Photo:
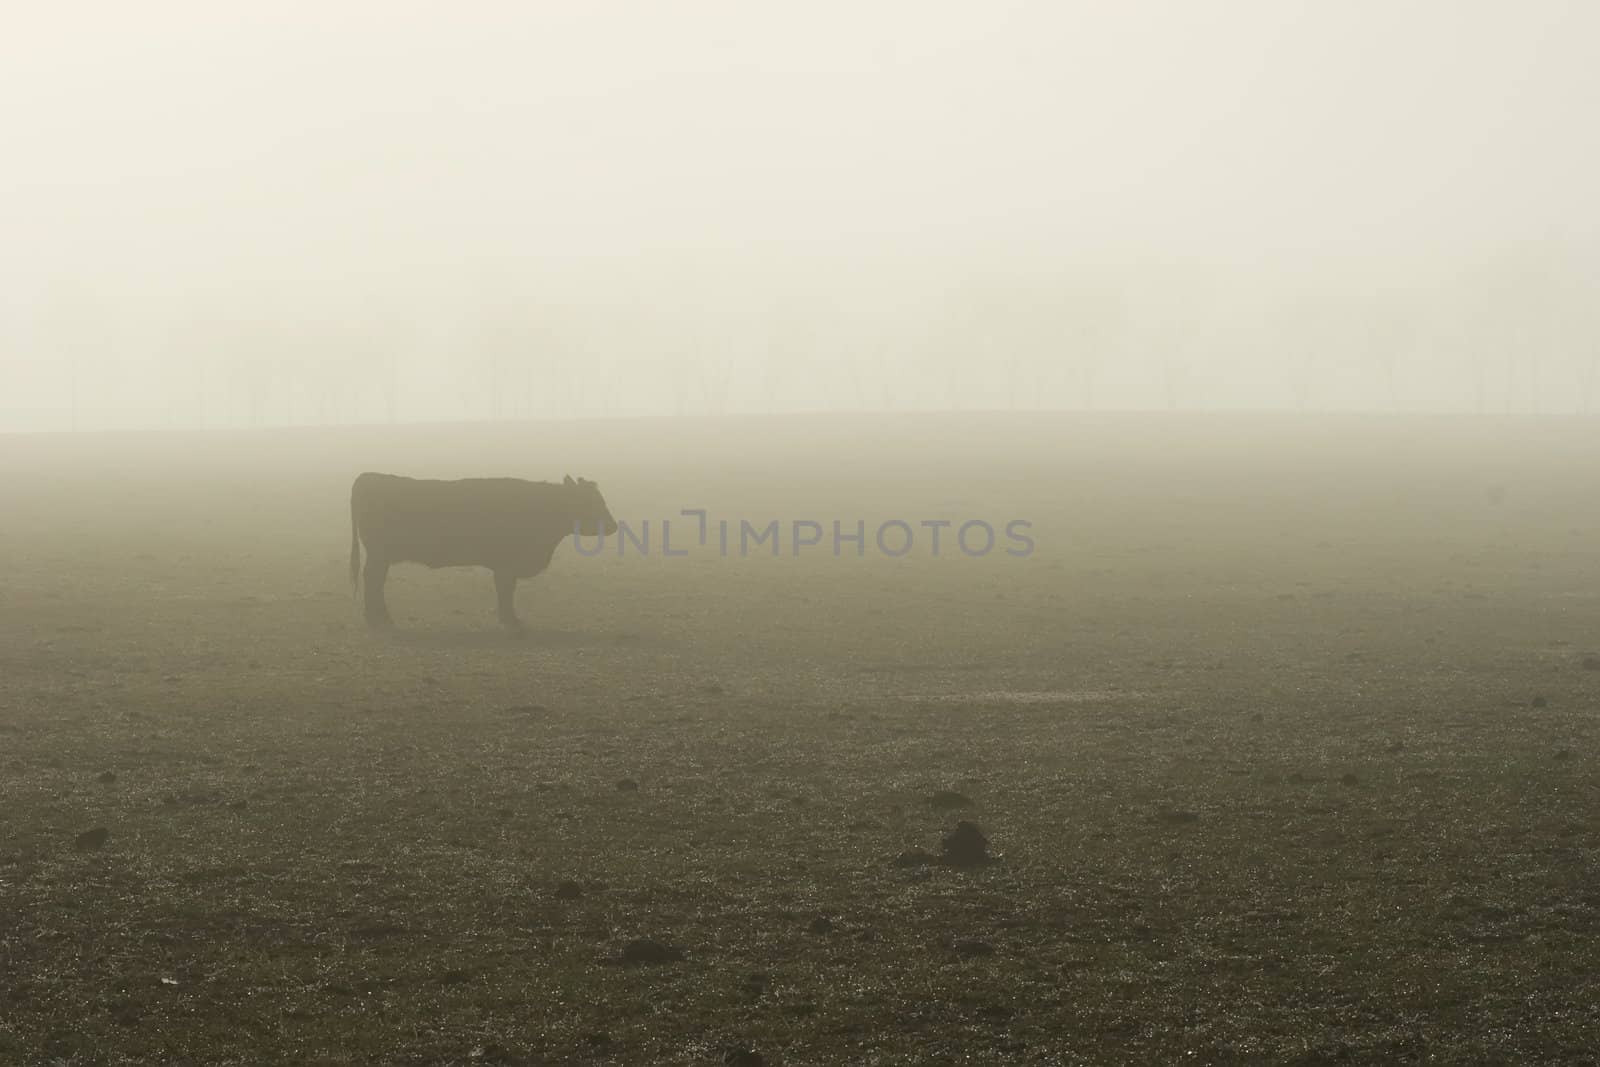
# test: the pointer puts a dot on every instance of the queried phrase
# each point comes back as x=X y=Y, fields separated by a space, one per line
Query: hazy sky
x=644 y=180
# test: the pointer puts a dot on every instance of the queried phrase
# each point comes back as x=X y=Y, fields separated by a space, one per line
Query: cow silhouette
x=508 y=525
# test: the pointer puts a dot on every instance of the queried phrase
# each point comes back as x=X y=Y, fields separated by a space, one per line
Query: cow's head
x=590 y=514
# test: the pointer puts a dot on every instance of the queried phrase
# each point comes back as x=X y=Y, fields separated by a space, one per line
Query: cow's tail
x=355 y=549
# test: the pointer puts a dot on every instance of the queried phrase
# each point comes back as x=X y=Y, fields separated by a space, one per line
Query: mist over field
x=378 y=213
x=772 y=534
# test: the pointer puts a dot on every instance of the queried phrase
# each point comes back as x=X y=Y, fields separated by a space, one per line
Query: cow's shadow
x=530 y=637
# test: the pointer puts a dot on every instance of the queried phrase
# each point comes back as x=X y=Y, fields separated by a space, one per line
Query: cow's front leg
x=377 y=611
x=505 y=587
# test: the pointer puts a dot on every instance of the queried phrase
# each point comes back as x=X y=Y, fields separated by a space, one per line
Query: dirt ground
x=1283 y=739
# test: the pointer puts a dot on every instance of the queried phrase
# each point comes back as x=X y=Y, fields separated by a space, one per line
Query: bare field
x=1284 y=739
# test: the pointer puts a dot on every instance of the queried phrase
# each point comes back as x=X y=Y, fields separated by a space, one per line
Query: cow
x=508 y=525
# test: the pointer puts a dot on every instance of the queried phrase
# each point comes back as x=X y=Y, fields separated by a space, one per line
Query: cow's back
x=469 y=522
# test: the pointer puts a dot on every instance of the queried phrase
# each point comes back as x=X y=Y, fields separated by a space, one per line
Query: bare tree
x=520 y=364
x=1087 y=315
x=888 y=377
x=509 y=369
x=1303 y=335
x=774 y=370
x=253 y=360
x=785 y=341
x=1015 y=359
x=1579 y=325
x=1588 y=367
x=1522 y=290
x=74 y=380
x=955 y=386
x=1085 y=364
x=78 y=328
x=1006 y=318
x=1477 y=328
x=386 y=369
x=872 y=378
x=678 y=377
x=1175 y=377
x=610 y=377
x=185 y=380
x=1177 y=363
x=1389 y=333
x=1509 y=389
x=715 y=375
x=858 y=390
x=341 y=393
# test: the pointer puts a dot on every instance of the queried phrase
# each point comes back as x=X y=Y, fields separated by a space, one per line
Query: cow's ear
x=569 y=481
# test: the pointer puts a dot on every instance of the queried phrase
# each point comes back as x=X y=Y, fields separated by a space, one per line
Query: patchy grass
x=1253 y=740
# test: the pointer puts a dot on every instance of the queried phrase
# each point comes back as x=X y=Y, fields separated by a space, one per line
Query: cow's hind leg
x=377 y=570
x=505 y=587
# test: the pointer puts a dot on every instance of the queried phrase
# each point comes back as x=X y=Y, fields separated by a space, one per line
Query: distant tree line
x=1518 y=333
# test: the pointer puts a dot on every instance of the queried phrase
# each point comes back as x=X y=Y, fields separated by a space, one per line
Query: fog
x=755 y=533
x=306 y=213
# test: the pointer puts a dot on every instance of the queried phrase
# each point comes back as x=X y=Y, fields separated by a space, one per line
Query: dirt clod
x=645 y=951
x=966 y=846
x=90 y=840
x=915 y=857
